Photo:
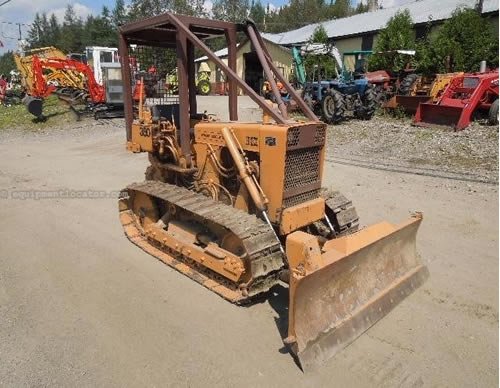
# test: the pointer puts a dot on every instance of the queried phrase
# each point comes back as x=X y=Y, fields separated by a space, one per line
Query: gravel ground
x=472 y=152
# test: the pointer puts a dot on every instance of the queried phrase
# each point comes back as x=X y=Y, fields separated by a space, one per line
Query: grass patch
x=424 y=135
x=17 y=116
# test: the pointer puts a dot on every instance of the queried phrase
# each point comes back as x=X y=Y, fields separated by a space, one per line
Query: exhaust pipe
x=482 y=67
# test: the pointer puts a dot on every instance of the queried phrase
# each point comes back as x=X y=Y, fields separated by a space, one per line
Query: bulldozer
x=239 y=207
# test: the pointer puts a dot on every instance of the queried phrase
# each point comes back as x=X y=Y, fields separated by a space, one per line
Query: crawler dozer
x=239 y=207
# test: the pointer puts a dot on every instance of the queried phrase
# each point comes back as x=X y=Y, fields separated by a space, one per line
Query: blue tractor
x=337 y=99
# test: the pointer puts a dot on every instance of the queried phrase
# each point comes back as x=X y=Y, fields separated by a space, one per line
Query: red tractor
x=468 y=96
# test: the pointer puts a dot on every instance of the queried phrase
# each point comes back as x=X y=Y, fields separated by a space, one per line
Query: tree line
x=459 y=44
x=73 y=33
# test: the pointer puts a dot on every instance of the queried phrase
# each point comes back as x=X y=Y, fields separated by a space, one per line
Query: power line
x=15 y=23
x=5 y=2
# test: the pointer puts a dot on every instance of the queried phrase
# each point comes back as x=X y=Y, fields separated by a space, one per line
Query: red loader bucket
x=410 y=103
x=432 y=114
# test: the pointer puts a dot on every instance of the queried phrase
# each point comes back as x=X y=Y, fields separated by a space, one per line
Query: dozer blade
x=337 y=292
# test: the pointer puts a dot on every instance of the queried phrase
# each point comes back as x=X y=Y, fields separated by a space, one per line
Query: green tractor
x=203 y=79
x=203 y=85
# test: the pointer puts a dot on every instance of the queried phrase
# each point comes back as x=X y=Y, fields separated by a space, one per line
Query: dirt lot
x=80 y=305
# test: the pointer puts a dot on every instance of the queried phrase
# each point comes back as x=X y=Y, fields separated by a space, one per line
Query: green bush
x=460 y=44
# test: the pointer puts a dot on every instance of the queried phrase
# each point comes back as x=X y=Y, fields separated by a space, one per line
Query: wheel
x=332 y=107
x=204 y=87
x=407 y=84
x=493 y=113
x=380 y=95
x=370 y=103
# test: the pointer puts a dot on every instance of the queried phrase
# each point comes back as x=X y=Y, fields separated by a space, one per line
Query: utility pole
x=479 y=6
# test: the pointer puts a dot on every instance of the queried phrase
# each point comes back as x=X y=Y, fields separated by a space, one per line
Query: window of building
x=421 y=32
x=367 y=42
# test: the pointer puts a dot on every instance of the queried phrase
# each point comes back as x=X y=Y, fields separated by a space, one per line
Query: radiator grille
x=300 y=198
x=319 y=137
x=302 y=167
x=293 y=137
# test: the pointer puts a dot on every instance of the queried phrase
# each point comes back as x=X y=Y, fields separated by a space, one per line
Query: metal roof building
x=422 y=11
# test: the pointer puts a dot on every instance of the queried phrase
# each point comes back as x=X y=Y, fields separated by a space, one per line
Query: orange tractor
x=239 y=207
x=416 y=89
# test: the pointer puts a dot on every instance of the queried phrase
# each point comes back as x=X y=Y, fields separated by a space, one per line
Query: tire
x=370 y=103
x=332 y=107
x=407 y=84
x=493 y=113
x=380 y=95
x=204 y=87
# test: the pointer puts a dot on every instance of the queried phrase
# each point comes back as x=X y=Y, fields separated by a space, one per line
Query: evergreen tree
x=361 y=8
x=54 y=30
x=7 y=63
x=398 y=34
x=340 y=9
x=234 y=11
x=71 y=32
x=74 y=34
x=45 y=39
x=461 y=43
x=319 y=65
x=35 y=32
x=119 y=14
x=257 y=13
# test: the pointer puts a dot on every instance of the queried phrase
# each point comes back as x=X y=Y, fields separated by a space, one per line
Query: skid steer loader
x=239 y=207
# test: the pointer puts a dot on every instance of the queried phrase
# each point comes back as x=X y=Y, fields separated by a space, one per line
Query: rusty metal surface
x=252 y=34
x=184 y=94
x=296 y=99
x=127 y=85
x=229 y=72
x=429 y=114
x=171 y=31
x=368 y=274
x=410 y=103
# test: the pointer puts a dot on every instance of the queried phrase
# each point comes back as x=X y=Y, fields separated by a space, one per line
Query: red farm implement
x=467 y=97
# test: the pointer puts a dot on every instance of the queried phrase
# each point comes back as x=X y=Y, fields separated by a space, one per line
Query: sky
x=23 y=11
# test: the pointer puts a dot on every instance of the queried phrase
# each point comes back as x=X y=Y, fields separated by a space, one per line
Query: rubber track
x=256 y=237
